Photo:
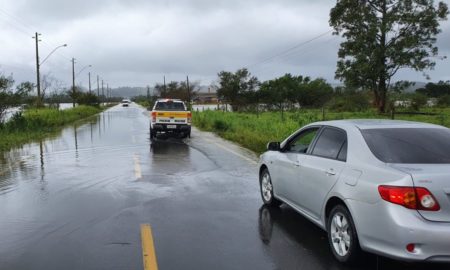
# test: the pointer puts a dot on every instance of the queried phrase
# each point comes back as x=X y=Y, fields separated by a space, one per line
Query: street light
x=54 y=50
x=38 y=65
x=73 y=78
x=81 y=70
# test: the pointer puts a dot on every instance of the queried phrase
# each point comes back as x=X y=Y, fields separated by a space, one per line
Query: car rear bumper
x=164 y=128
x=386 y=229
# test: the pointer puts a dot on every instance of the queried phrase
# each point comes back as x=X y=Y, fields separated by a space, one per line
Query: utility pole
x=98 y=87
x=164 y=84
x=103 y=91
x=148 y=92
x=73 y=81
x=38 y=79
x=107 y=90
x=188 y=92
x=89 y=82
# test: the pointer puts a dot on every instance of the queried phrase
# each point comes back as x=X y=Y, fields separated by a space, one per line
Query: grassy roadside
x=254 y=132
x=35 y=124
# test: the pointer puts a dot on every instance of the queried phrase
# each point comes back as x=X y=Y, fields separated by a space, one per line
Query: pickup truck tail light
x=417 y=198
x=153 y=117
x=189 y=117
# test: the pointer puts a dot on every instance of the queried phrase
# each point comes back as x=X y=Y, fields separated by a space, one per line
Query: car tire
x=342 y=236
x=266 y=189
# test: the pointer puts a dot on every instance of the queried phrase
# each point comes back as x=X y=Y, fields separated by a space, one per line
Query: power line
x=23 y=27
x=16 y=19
x=303 y=43
x=300 y=52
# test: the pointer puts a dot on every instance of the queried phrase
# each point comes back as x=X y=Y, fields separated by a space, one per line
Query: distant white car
x=125 y=102
x=378 y=185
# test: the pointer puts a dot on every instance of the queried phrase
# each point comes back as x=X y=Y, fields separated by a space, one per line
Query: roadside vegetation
x=36 y=124
x=34 y=120
x=254 y=131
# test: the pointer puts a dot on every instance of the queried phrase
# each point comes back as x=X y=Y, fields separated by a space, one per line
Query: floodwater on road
x=77 y=200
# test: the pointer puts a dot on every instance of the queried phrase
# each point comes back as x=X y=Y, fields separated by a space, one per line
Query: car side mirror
x=273 y=146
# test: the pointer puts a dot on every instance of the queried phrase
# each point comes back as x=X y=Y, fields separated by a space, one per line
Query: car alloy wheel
x=342 y=236
x=267 y=189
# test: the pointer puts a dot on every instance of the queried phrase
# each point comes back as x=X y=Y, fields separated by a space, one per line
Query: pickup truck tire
x=185 y=135
x=152 y=134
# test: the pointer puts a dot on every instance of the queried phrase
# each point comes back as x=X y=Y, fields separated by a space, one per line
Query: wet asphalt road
x=76 y=201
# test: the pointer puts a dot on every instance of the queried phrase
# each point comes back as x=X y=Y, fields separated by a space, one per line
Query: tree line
x=244 y=92
x=12 y=95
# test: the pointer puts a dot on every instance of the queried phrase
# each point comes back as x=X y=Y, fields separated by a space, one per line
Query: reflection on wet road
x=77 y=201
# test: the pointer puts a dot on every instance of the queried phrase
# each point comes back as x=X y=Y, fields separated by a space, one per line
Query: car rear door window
x=330 y=143
x=342 y=156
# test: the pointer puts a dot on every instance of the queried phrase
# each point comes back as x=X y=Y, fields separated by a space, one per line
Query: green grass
x=36 y=124
x=254 y=132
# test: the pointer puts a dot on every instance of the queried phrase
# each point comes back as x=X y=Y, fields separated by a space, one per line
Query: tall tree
x=177 y=90
x=5 y=95
x=383 y=36
x=234 y=87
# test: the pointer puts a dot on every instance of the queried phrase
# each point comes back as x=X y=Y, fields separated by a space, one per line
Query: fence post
x=393 y=113
x=323 y=113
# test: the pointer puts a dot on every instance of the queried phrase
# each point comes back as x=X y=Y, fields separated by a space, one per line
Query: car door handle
x=330 y=172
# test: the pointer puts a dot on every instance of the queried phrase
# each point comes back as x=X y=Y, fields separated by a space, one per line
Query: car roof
x=376 y=123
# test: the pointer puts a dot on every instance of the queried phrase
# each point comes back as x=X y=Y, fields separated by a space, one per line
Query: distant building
x=209 y=97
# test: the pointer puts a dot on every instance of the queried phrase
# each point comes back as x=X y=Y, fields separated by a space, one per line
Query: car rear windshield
x=169 y=106
x=409 y=145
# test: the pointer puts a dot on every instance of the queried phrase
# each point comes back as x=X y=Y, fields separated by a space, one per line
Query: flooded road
x=76 y=201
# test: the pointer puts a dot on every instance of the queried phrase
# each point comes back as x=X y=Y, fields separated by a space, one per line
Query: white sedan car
x=125 y=102
x=381 y=186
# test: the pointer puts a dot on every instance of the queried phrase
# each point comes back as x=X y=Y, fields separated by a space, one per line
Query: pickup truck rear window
x=409 y=145
x=169 y=106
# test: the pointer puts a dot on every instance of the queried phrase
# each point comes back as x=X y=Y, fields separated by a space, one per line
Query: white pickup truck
x=170 y=116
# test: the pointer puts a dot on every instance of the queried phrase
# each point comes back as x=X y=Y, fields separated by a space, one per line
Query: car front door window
x=302 y=142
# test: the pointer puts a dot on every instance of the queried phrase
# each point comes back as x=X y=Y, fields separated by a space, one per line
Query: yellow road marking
x=148 y=249
x=137 y=167
x=233 y=152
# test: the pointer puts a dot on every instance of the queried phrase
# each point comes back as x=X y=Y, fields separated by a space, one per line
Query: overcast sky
x=136 y=42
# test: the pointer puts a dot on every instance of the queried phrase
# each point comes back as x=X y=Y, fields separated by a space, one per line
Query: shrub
x=87 y=99
x=220 y=125
x=444 y=101
x=356 y=101
x=418 y=101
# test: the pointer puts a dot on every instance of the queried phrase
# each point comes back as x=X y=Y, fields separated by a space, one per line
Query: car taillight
x=418 y=198
x=153 y=117
x=189 y=117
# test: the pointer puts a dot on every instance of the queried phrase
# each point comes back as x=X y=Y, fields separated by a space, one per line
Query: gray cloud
x=137 y=42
